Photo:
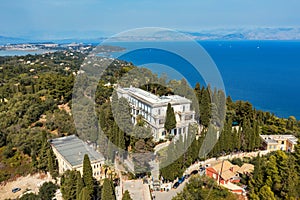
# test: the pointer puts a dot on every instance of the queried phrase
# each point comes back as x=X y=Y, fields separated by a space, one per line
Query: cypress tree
x=126 y=196
x=257 y=137
x=52 y=164
x=197 y=91
x=121 y=139
x=68 y=185
x=34 y=161
x=84 y=194
x=107 y=190
x=170 y=122
x=247 y=131
x=110 y=151
x=122 y=115
x=221 y=104
x=79 y=186
x=43 y=160
x=297 y=156
x=205 y=107
x=239 y=138
x=257 y=181
x=272 y=172
x=235 y=139
x=229 y=145
x=88 y=175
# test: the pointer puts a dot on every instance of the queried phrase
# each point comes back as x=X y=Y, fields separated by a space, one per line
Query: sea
x=265 y=73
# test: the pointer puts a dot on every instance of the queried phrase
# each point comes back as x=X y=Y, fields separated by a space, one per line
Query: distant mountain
x=236 y=36
x=248 y=34
x=215 y=34
x=79 y=40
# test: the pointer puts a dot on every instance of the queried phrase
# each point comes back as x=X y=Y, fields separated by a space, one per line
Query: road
x=30 y=182
x=169 y=195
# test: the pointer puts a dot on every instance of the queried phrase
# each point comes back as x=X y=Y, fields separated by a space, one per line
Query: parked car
x=180 y=180
x=187 y=176
x=14 y=190
x=176 y=185
x=194 y=172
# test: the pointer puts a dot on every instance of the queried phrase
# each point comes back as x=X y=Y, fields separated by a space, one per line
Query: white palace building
x=153 y=109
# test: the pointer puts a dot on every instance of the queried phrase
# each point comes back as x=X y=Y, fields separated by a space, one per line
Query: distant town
x=49 y=46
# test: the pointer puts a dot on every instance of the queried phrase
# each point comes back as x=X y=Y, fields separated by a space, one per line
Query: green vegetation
x=126 y=196
x=35 y=103
x=276 y=176
x=108 y=190
x=80 y=187
x=88 y=176
x=73 y=186
x=240 y=132
x=188 y=148
x=68 y=185
x=46 y=192
x=170 y=121
x=202 y=187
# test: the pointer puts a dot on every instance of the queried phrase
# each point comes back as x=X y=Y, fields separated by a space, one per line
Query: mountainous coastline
x=216 y=34
x=248 y=34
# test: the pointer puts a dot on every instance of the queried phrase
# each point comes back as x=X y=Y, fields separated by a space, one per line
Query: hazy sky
x=62 y=18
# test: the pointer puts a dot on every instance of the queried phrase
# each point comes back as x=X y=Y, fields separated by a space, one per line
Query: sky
x=51 y=19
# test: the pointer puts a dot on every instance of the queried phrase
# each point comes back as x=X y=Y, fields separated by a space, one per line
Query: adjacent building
x=279 y=142
x=227 y=174
x=223 y=172
x=70 y=151
x=153 y=110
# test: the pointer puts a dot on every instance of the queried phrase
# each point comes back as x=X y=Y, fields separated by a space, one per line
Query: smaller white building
x=70 y=151
x=153 y=110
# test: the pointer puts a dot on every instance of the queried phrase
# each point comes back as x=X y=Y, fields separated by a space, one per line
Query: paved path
x=154 y=170
x=168 y=195
x=159 y=147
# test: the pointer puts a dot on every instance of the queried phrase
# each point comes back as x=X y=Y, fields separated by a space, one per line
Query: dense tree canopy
x=202 y=187
x=47 y=191
x=275 y=177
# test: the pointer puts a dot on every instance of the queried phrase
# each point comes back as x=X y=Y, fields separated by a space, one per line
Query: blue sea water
x=265 y=73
